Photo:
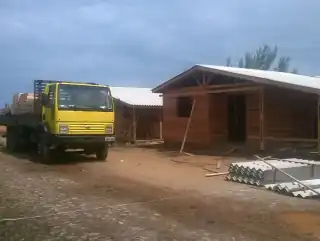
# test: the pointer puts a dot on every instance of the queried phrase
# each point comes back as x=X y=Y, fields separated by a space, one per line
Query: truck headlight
x=63 y=129
x=109 y=129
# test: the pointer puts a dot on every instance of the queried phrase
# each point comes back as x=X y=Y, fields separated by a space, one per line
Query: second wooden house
x=138 y=114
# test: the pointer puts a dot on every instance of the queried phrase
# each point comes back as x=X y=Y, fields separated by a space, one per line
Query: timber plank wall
x=174 y=126
x=287 y=114
x=147 y=118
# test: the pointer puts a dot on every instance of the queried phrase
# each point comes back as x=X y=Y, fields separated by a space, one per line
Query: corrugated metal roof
x=294 y=81
x=312 y=84
x=136 y=96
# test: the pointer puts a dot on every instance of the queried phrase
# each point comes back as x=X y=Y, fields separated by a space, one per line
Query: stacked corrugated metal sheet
x=296 y=189
x=261 y=174
x=247 y=172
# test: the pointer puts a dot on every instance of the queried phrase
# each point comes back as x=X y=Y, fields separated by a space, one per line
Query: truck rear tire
x=12 y=139
x=102 y=153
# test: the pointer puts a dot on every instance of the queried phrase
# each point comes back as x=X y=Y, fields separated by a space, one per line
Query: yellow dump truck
x=62 y=115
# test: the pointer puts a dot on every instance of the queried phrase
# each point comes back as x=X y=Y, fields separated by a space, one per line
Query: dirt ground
x=143 y=194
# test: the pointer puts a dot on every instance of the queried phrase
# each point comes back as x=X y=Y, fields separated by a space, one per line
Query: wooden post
x=134 y=124
x=161 y=137
x=318 y=123
x=188 y=126
x=261 y=110
x=160 y=116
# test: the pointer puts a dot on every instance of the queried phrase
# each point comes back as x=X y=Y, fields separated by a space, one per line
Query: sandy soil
x=142 y=194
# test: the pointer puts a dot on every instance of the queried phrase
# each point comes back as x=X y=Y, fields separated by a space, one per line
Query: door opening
x=237 y=118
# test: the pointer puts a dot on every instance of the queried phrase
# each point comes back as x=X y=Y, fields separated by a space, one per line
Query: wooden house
x=213 y=105
x=138 y=114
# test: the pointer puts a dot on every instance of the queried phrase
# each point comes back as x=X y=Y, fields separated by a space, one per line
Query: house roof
x=136 y=96
x=294 y=81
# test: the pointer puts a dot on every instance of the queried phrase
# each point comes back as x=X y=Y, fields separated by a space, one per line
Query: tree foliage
x=264 y=58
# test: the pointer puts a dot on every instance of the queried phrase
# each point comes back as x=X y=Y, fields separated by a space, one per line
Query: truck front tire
x=44 y=152
x=102 y=153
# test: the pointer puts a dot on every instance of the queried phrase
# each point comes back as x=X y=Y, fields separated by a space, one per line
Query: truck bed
x=29 y=119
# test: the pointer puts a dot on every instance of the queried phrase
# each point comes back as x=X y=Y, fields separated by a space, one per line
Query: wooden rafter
x=205 y=91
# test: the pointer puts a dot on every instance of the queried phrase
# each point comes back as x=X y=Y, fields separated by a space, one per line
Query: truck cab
x=65 y=115
x=77 y=115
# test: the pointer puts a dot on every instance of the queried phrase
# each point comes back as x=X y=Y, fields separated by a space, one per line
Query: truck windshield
x=82 y=97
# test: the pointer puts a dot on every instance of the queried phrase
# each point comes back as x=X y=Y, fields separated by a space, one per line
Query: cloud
x=141 y=43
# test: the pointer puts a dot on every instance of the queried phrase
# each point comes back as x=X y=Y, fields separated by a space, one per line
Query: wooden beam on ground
x=216 y=174
x=261 y=110
x=188 y=154
x=187 y=127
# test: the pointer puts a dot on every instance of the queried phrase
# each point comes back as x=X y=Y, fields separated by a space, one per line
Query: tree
x=263 y=58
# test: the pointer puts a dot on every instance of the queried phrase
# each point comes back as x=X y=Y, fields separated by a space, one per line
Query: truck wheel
x=102 y=153
x=8 y=141
x=60 y=149
x=44 y=152
x=11 y=140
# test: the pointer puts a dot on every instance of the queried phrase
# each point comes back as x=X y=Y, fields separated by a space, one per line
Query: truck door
x=48 y=111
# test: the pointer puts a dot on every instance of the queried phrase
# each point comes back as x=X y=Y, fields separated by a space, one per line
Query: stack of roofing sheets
x=296 y=189
x=259 y=173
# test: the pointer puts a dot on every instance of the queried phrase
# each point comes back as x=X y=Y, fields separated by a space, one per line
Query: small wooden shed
x=138 y=114
x=213 y=105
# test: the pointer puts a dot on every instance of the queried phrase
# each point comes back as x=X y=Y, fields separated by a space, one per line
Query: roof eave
x=258 y=80
x=132 y=105
x=176 y=78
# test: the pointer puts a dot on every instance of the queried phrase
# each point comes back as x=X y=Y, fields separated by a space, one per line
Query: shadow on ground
x=239 y=151
x=66 y=158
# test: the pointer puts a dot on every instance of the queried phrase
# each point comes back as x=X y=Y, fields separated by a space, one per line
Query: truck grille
x=87 y=129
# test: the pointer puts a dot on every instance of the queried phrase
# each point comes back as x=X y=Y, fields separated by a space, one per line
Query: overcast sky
x=144 y=42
